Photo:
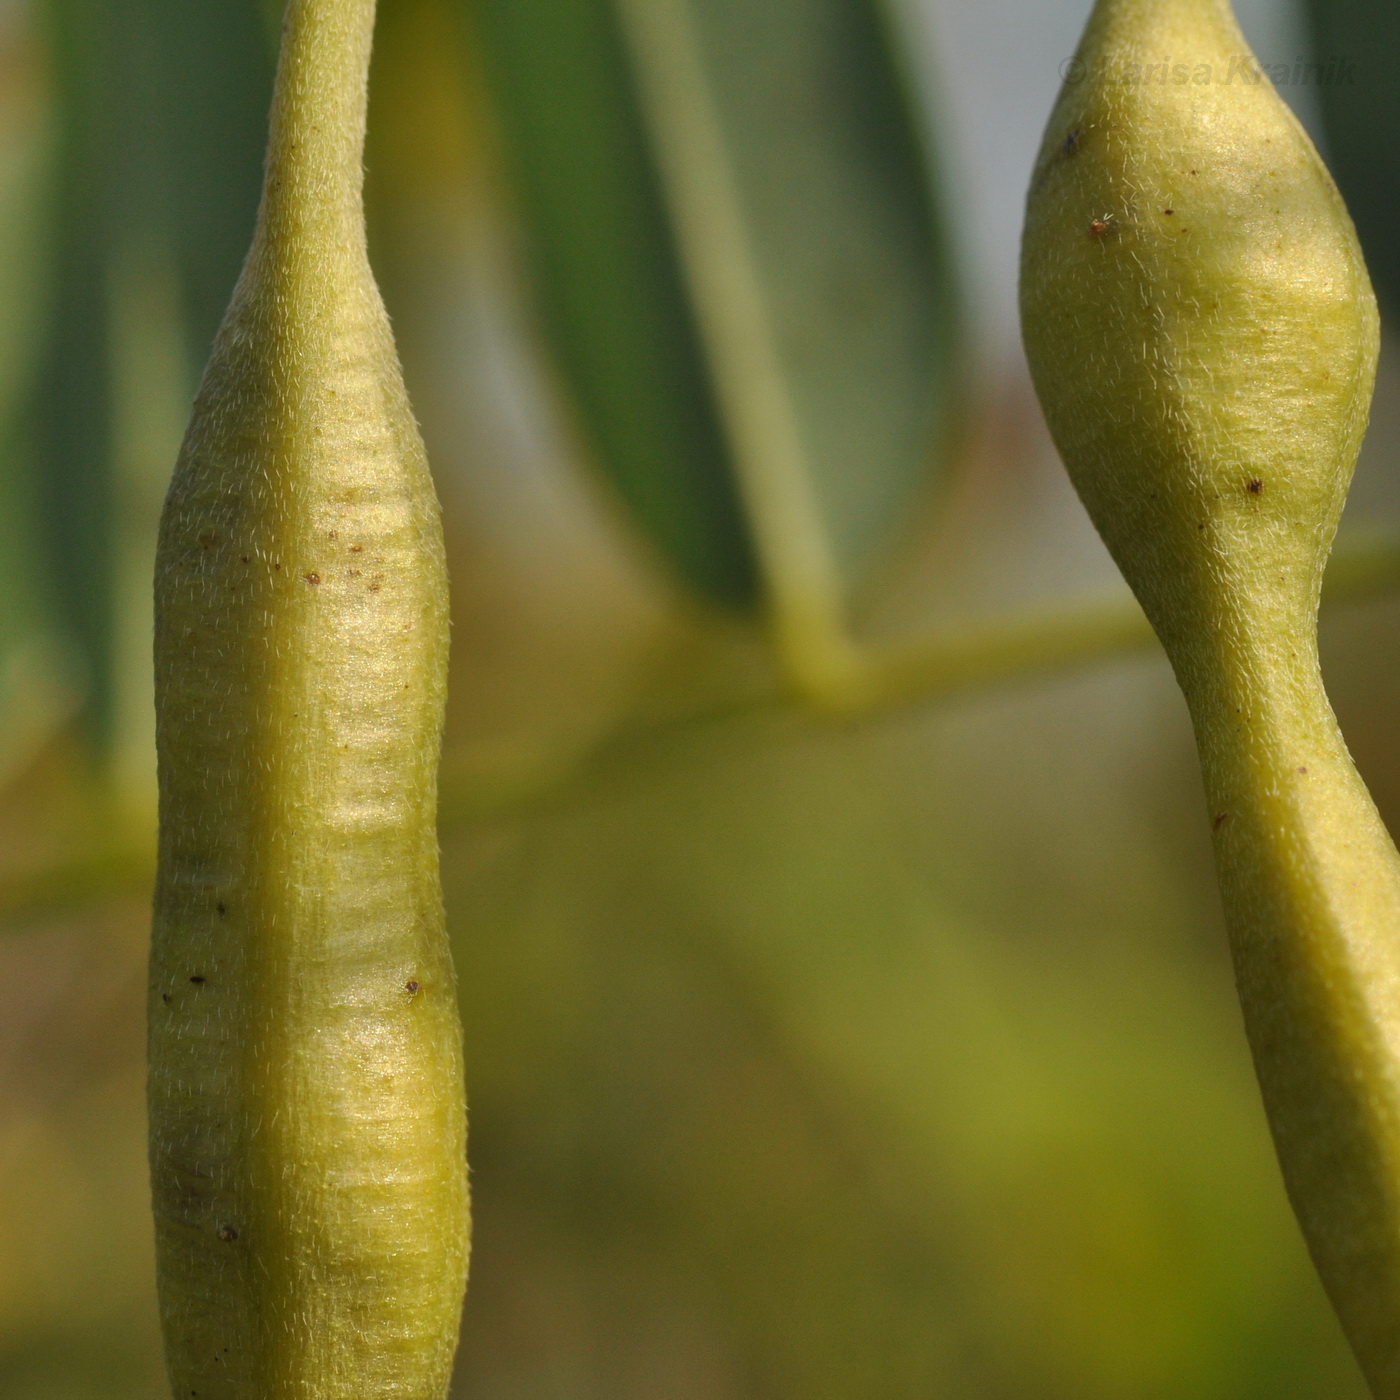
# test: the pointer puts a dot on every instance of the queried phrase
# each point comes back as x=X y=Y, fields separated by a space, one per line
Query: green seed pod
x=306 y=1108
x=1203 y=339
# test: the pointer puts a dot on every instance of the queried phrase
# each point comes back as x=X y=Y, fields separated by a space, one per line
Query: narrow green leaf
x=732 y=224
x=36 y=693
x=609 y=287
x=73 y=409
x=832 y=193
x=1356 y=45
x=211 y=95
x=160 y=125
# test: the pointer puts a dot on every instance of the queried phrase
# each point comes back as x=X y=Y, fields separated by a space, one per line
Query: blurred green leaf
x=610 y=290
x=807 y=131
x=35 y=694
x=1357 y=44
x=211 y=97
x=161 y=115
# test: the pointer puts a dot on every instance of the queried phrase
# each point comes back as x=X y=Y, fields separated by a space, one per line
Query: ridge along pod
x=1203 y=338
x=307 y=1117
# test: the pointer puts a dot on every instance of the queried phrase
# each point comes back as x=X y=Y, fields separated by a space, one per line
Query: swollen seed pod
x=307 y=1118
x=1203 y=339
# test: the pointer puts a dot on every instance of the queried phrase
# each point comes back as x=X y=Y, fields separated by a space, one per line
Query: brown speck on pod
x=197 y=980
x=312 y=578
x=165 y=997
x=1302 y=770
x=1220 y=819
x=1100 y=228
x=1169 y=211
x=1255 y=486
x=412 y=988
x=227 y=1233
x=357 y=549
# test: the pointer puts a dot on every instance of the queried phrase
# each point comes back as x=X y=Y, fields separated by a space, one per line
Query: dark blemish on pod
x=1071 y=143
x=1255 y=487
x=197 y=980
x=165 y=997
x=357 y=549
x=312 y=578
x=1100 y=228
x=222 y=908
x=412 y=988
x=1302 y=770
x=1220 y=819
x=227 y=1233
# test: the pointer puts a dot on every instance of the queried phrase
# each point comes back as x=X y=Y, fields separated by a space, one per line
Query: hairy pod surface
x=307 y=1120
x=1203 y=338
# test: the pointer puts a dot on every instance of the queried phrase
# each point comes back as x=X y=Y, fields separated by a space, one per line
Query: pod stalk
x=1203 y=338
x=313 y=194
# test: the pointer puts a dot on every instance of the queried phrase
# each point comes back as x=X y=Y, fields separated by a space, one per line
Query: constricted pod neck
x=1260 y=712
x=312 y=207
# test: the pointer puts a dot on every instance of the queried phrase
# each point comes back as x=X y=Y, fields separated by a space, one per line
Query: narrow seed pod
x=1203 y=339
x=306 y=1109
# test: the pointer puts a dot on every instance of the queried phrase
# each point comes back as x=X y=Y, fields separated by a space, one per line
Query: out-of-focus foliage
x=617 y=303
x=32 y=680
x=798 y=1076
x=808 y=1062
x=1356 y=44
x=158 y=122
x=738 y=256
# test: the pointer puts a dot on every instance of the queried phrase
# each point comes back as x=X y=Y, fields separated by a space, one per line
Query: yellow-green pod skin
x=307 y=1119
x=1203 y=338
